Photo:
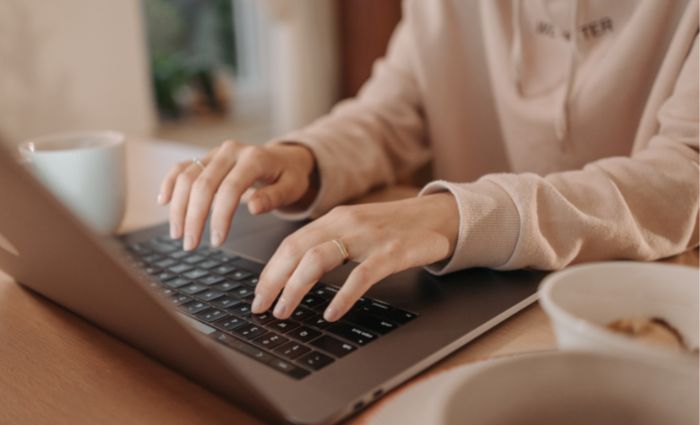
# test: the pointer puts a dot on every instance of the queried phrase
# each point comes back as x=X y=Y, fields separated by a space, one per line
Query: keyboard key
x=150 y=259
x=241 y=310
x=209 y=295
x=352 y=333
x=212 y=315
x=152 y=270
x=193 y=288
x=194 y=259
x=195 y=274
x=180 y=268
x=180 y=299
x=323 y=291
x=377 y=308
x=291 y=350
x=168 y=291
x=230 y=323
x=262 y=318
x=195 y=307
x=205 y=251
x=223 y=269
x=283 y=326
x=315 y=360
x=400 y=316
x=304 y=333
x=227 y=286
x=243 y=347
x=164 y=264
x=271 y=340
x=240 y=274
x=250 y=331
x=162 y=248
x=302 y=313
x=225 y=302
x=211 y=279
x=242 y=292
x=287 y=367
x=252 y=282
x=209 y=264
x=311 y=300
x=316 y=321
x=372 y=323
x=163 y=276
x=179 y=255
x=178 y=282
x=333 y=346
x=138 y=248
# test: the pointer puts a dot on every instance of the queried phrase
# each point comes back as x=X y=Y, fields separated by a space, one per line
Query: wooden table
x=58 y=369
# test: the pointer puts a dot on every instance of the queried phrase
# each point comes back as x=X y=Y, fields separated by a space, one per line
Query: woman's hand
x=384 y=238
x=226 y=173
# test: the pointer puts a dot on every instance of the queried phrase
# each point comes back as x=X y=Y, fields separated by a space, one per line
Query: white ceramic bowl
x=574 y=388
x=563 y=387
x=582 y=300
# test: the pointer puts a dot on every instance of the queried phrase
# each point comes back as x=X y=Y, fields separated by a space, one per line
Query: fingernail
x=216 y=239
x=173 y=231
x=280 y=308
x=254 y=207
x=160 y=199
x=256 y=307
x=188 y=244
x=331 y=314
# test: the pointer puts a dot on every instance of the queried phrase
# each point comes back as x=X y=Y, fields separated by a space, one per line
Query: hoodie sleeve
x=641 y=207
x=371 y=140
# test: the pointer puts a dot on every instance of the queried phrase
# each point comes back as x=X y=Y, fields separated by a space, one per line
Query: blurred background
x=192 y=71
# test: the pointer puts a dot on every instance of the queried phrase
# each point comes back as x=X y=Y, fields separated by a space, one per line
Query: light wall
x=73 y=64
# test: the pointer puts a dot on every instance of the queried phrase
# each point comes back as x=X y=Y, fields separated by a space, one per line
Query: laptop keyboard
x=216 y=288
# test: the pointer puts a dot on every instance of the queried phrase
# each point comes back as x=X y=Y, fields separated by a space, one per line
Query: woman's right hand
x=284 y=170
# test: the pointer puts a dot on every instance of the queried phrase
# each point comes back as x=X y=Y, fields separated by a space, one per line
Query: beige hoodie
x=566 y=130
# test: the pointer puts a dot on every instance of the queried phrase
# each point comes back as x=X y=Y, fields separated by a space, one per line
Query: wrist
x=302 y=157
x=444 y=213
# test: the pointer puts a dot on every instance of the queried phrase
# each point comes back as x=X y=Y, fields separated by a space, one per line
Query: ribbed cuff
x=489 y=225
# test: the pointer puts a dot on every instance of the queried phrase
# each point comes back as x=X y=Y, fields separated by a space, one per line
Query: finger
x=181 y=194
x=285 y=191
x=316 y=262
x=284 y=261
x=363 y=277
x=202 y=194
x=248 y=169
x=168 y=184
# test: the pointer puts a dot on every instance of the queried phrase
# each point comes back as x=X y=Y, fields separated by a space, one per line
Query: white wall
x=73 y=64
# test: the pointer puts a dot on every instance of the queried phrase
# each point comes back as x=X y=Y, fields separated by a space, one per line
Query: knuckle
x=289 y=246
x=232 y=187
x=393 y=248
x=361 y=274
x=229 y=144
x=184 y=179
x=251 y=153
x=203 y=184
x=315 y=256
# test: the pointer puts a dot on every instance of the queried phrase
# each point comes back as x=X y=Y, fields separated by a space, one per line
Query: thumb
x=284 y=191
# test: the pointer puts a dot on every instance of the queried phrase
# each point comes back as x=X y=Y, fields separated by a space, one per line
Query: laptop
x=191 y=310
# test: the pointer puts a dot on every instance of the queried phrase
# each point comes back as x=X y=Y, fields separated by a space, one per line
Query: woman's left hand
x=384 y=238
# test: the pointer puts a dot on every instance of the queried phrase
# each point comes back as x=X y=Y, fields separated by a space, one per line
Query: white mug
x=85 y=170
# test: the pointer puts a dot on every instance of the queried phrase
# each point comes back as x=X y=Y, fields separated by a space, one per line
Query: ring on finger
x=198 y=162
x=343 y=250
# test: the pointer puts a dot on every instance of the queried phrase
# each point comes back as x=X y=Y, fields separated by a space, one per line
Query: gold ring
x=342 y=249
x=198 y=162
